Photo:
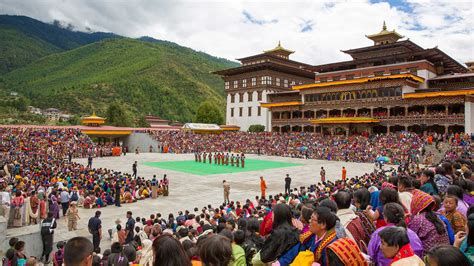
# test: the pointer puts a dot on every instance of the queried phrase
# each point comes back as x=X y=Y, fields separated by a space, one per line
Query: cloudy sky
x=316 y=29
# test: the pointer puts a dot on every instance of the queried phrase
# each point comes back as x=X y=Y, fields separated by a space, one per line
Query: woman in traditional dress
x=54 y=207
x=42 y=205
x=17 y=202
x=396 y=247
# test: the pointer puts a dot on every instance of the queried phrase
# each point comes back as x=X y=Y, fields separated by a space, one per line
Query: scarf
x=328 y=238
x=405 y=252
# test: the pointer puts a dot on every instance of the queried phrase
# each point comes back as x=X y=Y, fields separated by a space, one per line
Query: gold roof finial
x=384 y=27
x=279 y=43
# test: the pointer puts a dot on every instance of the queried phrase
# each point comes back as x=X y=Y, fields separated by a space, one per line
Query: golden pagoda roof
x=279 y=48
x=269 y=105
x=359 y=80
x=385 y=34
x=344 y=120
x=93 y=119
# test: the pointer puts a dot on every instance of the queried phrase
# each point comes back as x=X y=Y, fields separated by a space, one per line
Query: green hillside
x=147 y=77
x=18 y=49
x=24 y=40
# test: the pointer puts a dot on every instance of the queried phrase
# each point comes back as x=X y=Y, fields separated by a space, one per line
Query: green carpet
x=195 y=168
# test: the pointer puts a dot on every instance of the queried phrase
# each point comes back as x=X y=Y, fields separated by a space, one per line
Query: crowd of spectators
x=398 y=147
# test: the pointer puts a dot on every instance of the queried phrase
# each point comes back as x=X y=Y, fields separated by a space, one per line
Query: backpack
x=74 y=196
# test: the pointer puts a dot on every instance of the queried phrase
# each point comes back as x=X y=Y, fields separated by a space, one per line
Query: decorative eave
x=270 y=105
x=229 y=127
x=345 y=120
x=418 y=95
x=358 y=81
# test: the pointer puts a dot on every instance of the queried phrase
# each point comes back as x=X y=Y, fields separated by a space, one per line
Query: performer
x=199 y=157
x=237 y=160
x=215 y=157
x=242 y=158
x=210 y=158
x=227 y=159
x=218 y=158
x=323 y=174
x=204 y=157
x=232 y=158
x=196 y=156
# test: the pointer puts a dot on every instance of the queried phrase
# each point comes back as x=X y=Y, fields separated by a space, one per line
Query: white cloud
x=222 y=28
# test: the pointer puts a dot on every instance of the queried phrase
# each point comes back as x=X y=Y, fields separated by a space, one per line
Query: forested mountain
x=80 y=71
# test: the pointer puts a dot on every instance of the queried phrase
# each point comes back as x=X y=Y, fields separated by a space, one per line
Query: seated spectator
x=78 y=251
x=396 y=246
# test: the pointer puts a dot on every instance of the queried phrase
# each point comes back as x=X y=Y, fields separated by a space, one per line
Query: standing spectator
x=226 y=187
x=287 y=184
x=134 y=168
x=64 y=198
x=129 y=227
x=263 y=187
x=15 y=216
x=95 y=228
x=322 y=173
x=47 y=231
x=344 y=173
x=72 y=216
x=89 y=161
x=5 y=202
x=117 y=192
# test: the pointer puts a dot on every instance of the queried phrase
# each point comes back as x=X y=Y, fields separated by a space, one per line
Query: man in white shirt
x=5 y=202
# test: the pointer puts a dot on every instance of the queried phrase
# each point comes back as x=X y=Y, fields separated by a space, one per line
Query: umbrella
x=303 y=148
x=383 y=159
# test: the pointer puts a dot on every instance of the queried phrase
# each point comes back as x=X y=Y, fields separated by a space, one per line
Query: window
x=269 y=80
x=277 y=81
x=254 y=81
x=231 y=112
x=259 y=96
x=323 y=79
x=250 y=111
x=413 y=70
x=250 y=96
x=398 y=92
x=293 y=83
x=264 y=80
x=232 y=98
x=244 y=83
x=285 y=83
x=394 y=71
x=349 y=77
x=240 y=111
x=336 y=78
x=241 y=97
x=236 y=84
x=227 y=85
x=259 y=111
x=378 y=73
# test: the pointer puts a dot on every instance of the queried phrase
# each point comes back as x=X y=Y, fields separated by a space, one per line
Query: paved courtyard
x=188 y=190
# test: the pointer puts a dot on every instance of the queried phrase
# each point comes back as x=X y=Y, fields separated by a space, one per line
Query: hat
x=348 y=252
x=420 y=201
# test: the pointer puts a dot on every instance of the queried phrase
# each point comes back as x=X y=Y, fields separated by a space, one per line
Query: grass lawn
x=195 y=168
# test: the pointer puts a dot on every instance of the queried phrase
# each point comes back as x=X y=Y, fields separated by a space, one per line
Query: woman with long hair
x=361 y=201
x=282 y=237
x=168 y=251
x=425 y=223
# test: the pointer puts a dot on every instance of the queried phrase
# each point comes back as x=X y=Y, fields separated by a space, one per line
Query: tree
x=117 y=115
x=209 y=113
x=142 y=122
x=256 y=128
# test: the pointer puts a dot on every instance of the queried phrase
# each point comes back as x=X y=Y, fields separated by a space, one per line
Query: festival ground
x=190 y=190
x=201 y=168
